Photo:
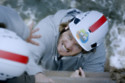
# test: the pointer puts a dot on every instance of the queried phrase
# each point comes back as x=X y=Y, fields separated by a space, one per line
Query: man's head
x=86 y=30
x=67 y=45
x=13 y=55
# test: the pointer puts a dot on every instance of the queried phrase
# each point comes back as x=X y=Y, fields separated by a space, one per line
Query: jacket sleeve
x=35 y=54
x=33 y=67
x=22 y=79
x=13 y=22
x=95 y=62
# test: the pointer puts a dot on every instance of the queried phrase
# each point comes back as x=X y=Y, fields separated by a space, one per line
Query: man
x=9 y=19
x=71 y=39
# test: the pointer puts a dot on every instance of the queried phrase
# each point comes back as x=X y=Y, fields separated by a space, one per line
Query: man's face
x=67 y=45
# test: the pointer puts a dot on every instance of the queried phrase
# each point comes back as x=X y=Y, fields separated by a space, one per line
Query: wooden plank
x=81 y=80
x=91 y=77
x=68 y=74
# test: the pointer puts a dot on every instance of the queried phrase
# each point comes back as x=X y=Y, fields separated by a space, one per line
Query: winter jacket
x=13 y=22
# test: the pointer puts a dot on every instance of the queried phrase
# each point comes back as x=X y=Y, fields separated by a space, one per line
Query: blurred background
x=114 y=10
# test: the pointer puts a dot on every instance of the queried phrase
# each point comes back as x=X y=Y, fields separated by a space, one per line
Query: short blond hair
x=62 y=26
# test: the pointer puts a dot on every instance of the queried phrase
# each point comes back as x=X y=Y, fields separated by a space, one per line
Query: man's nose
x=69 y=45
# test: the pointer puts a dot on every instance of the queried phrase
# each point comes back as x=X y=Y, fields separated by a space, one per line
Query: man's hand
x=40 y=78
x=31 y=36
x=78 y=73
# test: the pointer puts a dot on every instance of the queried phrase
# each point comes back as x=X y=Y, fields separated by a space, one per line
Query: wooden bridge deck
x=91 y=77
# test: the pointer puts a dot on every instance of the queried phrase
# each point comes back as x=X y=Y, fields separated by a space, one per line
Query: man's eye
x=78 y=46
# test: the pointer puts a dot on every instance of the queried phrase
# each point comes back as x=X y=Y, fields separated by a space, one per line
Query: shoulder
x=65 y=15
x=68 y=11
x=5 y=9
x=99 y=54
